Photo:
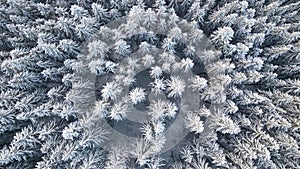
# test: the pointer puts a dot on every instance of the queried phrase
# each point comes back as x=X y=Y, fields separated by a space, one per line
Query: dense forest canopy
x=228 y=69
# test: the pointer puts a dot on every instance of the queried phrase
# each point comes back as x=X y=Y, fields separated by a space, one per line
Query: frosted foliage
x=187 y=64
x=97 y=48
x=158 y=86
x=71 y=132
x=118 y=111
x=161 y=109
x=148 y=60
x=156 y=72
x=111 y=90
x=141 y=84
x=223 y=35
x=122 y=48
x=175 y=86
x=194 y=123
x=137 y=95
x=198 y=83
